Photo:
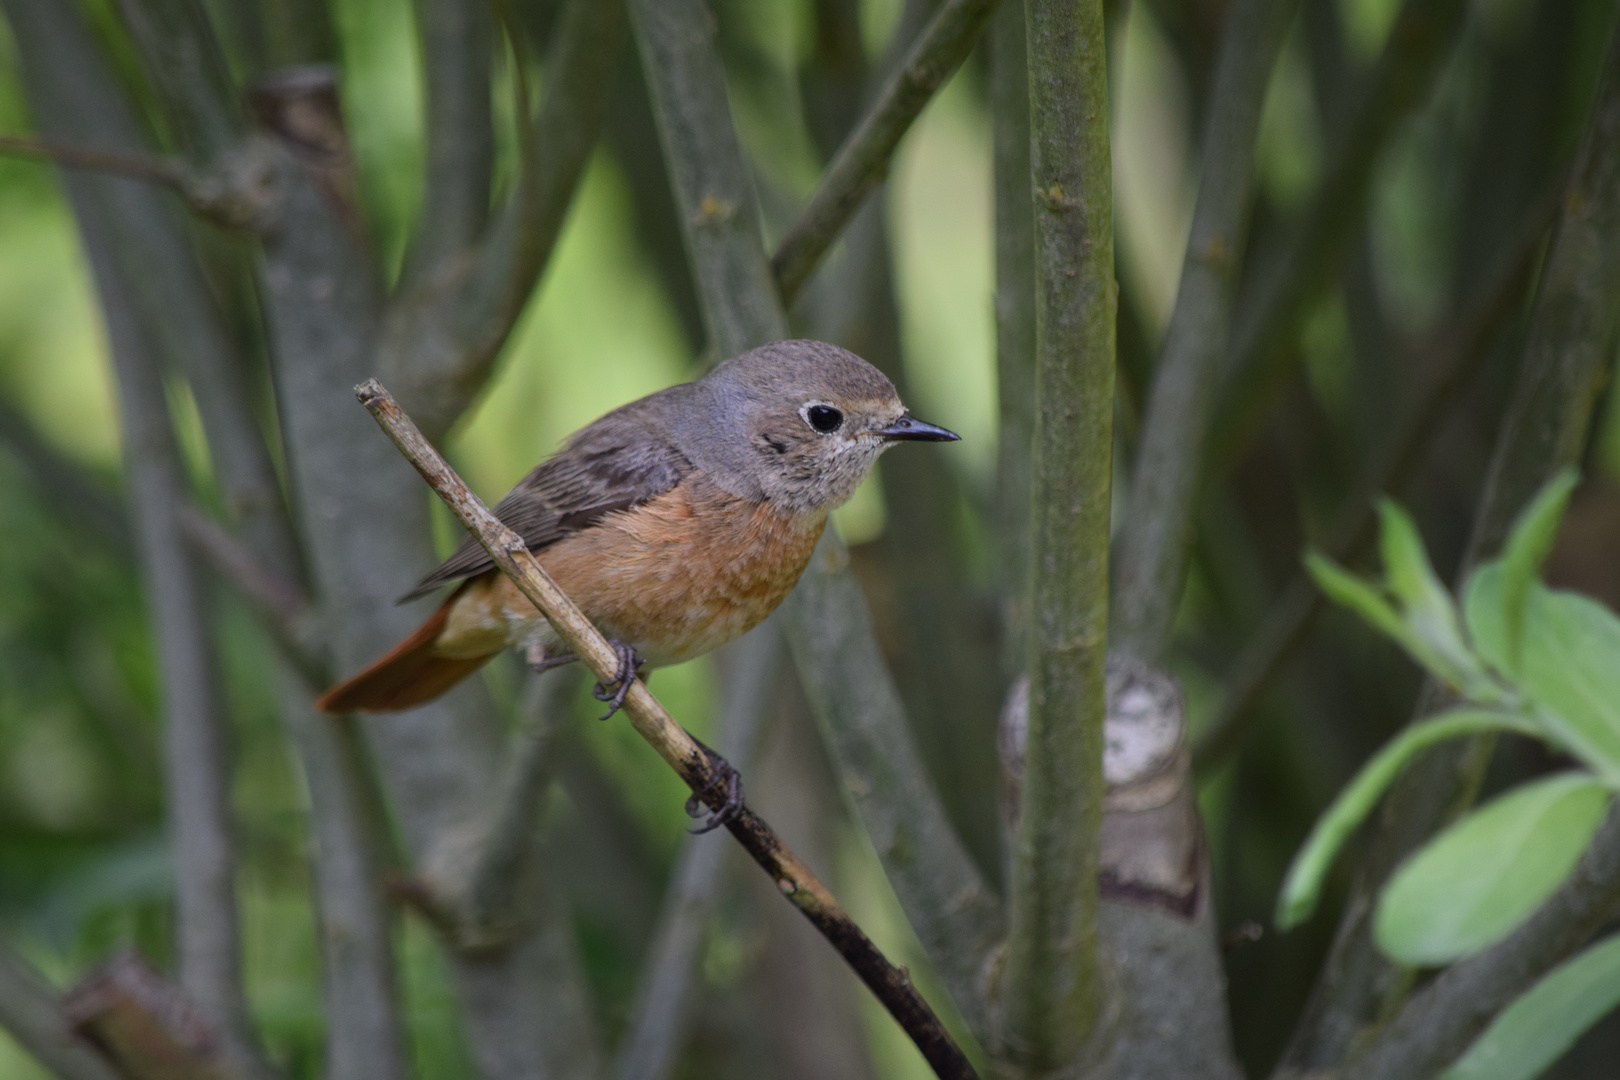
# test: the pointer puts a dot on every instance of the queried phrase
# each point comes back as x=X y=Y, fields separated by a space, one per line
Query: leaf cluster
x=1521 y=658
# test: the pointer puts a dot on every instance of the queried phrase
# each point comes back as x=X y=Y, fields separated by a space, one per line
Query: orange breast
x=675 y=577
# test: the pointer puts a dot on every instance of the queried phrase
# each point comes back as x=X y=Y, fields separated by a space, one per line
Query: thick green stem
x=1050 y=994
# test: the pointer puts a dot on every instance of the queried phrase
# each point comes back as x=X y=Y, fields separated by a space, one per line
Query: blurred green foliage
x=83 y=864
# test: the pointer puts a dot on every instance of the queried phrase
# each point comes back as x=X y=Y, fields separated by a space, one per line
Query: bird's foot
x=613 y=693
x=539 y=663
x=725 y=778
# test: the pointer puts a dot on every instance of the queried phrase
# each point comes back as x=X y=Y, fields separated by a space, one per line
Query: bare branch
x=31 y=1014
x=652 y=1042
x=1156 y=533
x=443 y=330
x=233 y=195
x=285 y=609
x=457 y=41
x=1418 y=42
x=71 y=93
x=166 y=171
x=1051 y=998
x=891 y=985
x=151 y=1029
x=863 y=161
x=366 y=533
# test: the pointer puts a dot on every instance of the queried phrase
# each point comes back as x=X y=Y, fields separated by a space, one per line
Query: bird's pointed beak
x=909 y=428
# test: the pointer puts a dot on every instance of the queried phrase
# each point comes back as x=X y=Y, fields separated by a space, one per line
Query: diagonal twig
x=891 y=985
x=863 y=161
x=1459 y=345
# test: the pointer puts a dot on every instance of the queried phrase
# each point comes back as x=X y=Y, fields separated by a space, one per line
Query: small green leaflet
x=1303 y=886
x=1570 y=666
x=1545 y=1021
x=1474 y=883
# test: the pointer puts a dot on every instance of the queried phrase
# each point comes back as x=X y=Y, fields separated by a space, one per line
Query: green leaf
x=1545 y=1021
x=1303 y=886
x=1426 y=604
x=1486 y=618
x=1571 y=669
x=1527 y=547
x=1471 y=885
x=1347 y=590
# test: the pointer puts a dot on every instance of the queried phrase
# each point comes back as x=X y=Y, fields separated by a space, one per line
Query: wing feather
x=616 y=463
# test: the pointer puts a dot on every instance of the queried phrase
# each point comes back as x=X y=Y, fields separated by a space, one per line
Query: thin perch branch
x=863 y=161
x=890 y=984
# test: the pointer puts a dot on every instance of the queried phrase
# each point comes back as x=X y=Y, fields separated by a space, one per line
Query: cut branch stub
x=1150 y=847
x=889 y=983
x=144 y=1024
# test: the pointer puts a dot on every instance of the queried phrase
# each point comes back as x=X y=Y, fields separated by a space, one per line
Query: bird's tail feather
x=407 y=675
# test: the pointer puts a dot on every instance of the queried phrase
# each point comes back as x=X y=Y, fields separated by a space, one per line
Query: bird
x=677 y=523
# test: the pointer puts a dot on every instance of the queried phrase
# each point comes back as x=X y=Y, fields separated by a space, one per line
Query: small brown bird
x=676 y=522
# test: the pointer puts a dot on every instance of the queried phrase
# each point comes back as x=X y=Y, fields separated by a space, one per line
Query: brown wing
x=614 y=464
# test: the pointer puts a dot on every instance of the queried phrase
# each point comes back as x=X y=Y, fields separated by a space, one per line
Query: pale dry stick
x=890 y=984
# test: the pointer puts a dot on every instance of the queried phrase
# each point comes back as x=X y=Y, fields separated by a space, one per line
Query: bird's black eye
x=824 y=418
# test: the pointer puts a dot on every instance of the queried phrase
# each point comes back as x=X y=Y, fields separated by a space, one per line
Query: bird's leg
x=628 y=663
x=724 y=777
x=539 y=663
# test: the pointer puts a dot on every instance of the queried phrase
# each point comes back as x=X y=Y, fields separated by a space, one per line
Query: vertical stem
x=1015 y=323
x=71 y=97
x=707 y=171
x=1050 y=996
x=1157 y=529
x=825 y=618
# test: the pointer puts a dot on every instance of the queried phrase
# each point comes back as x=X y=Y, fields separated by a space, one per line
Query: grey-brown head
x=800 y=423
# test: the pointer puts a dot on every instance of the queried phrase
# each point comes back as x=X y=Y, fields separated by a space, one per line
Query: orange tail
x=407 y=675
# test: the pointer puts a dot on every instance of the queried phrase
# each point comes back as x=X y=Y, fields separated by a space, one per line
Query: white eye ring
x=822 y=417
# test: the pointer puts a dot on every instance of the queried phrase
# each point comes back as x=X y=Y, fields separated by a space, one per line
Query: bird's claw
x=628 y=663
x=724 y=777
